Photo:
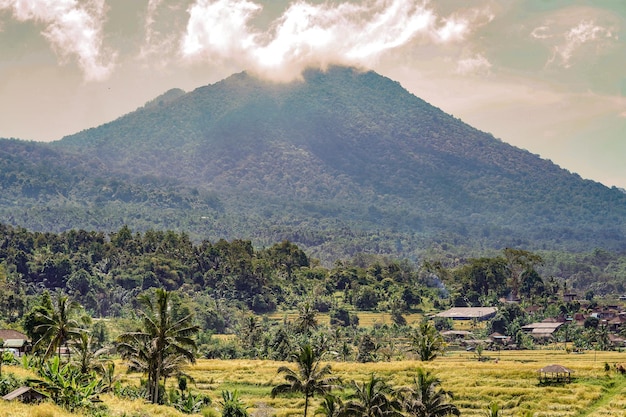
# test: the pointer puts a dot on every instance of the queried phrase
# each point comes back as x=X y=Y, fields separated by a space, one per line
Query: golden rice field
x=366 y=318
x=511 y=381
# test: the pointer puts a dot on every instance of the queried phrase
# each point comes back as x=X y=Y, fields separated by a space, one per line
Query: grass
x=511 y=381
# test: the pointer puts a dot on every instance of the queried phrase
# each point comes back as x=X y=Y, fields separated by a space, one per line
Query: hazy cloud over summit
x=546 y=76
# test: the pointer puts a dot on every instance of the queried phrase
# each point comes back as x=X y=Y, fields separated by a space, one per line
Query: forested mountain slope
x=342 y=159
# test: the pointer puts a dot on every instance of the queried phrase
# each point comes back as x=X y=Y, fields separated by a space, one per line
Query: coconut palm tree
x=86 y=358
x=374 y=398
x=425 y=398
x=307 y=319
x=57 y=326
x=310 y=378
x=427 y=342
x=332 y=406
x=164 y=344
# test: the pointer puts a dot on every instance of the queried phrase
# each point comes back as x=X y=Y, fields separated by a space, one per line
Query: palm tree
x=307 y=320
x=57 y=326
x=164 y=344
x=86 y=358
x=332 y=406
x=309 y=379
x=427 y=342
x=425 y=398
x=374 y=398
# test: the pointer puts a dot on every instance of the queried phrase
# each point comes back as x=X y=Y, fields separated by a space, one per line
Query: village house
x=469 y=313
x=16 y=342
x=542 y=330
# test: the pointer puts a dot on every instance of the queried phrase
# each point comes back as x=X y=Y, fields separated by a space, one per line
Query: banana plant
x=66 y=385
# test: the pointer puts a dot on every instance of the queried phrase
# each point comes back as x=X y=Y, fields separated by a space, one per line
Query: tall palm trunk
x=155 y=392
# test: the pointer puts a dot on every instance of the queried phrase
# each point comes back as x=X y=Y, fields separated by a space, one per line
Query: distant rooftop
x=468 y=313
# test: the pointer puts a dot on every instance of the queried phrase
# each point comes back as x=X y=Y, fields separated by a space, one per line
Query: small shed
x=498 y=339
x=25 y=395
x=555 y=373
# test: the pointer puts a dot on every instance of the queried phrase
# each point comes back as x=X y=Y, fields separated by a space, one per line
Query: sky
x=548 y=76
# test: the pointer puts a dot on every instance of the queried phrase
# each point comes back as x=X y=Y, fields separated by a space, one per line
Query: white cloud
x=541 y=32
x=72 y=29
x=161 y=29
x=312 y=34
x=585 y=32
x=571 y=40
x=219 y=28
x=148 y=46
x=473 y=65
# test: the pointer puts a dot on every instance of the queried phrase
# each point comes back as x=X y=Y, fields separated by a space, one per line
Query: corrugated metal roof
x=14 y=394
x=542 y=327
x=14 y=343
x=468 y=312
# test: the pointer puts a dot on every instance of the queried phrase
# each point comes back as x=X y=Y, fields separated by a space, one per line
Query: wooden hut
x=25 y=395
x=555 y=373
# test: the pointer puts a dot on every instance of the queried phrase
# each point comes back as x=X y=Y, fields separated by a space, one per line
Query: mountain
x=339 y=162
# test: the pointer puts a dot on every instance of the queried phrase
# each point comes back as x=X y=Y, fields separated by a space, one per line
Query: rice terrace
x=512 y=382
x=316 y=208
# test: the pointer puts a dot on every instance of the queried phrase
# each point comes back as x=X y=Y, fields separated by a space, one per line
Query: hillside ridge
x=342 y=157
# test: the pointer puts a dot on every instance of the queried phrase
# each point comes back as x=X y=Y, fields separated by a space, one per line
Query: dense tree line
x=226 y=283
x=167 y=296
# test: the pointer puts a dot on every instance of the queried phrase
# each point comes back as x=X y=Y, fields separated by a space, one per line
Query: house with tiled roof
x=14 y=341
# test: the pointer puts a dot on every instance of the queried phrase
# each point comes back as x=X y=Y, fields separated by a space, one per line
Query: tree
x=57 y=326
x=164 y=344
x=521 y=266
x=374 y=398
x=367 y=349
x=332 y=406
x=66 y=385
x=425 y=398
x=310 y=378
x=307 y=320
x=1 y=356
x=427 y=342
x=250 y=332
x=86 y=358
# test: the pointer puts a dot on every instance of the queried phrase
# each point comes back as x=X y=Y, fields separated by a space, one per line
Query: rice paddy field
x=511 y=381
x=510 y=378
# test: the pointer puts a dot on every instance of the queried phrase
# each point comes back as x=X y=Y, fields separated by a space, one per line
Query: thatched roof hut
x=555 y=373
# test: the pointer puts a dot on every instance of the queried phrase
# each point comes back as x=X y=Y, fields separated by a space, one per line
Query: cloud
x=571 y=40
x=309 y=34
x=541 y=32
x=162 y=27
x=147 y=48
x=219 y=28
x=585 y=32
x=73 y=30
x=473 y=65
